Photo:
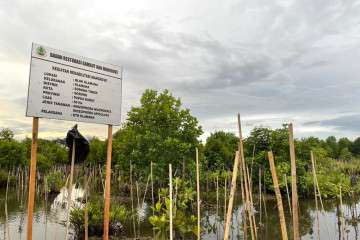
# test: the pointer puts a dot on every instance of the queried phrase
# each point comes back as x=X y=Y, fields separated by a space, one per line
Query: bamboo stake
x=243 y=199
x=342 y=214
x=245 y=178
x=152 y=191
x=86 y=222
x=278 y=196
x=132 y=200
x=70 y=189
x=231 y=199
x=217 y=204
x=293 y=184
x=138 y=206
x=260 y=193
x=143 y=202
x=6 y=212
x=34 y=143
x=170 y=212
x=322 y=206
x=198 y=192
x=287 y=192
x=315 y=195
x=252 y=203
x=107 y=184
x=225 y=202
x=264 y=196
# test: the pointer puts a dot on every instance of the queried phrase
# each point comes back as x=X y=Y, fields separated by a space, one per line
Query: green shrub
x=117 y=215
x=55 y=183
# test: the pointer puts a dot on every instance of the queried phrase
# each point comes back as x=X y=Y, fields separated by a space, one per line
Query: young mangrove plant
x=118 y=214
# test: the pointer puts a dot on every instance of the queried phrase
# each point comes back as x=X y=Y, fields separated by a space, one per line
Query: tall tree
x=220 y=149
x=157 y=131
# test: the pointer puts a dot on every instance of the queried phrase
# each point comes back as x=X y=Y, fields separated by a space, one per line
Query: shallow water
x=46 y=216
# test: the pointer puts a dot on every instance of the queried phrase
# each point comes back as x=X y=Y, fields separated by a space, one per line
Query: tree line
x=160 y=131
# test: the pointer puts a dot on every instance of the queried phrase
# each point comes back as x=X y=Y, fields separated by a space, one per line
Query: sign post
x=34 y=143
x=107 y=185
x=69 y=87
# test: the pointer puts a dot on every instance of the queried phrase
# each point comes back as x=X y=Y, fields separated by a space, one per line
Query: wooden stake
x=6 y=212
x=225 y=201
x=315 y=194
x=260 y=192
x=152 y=191
x=252 y=203
x=170 y=212
x=293 y=184
x=86 y=222
x=243 y=200
x=34 y=143
x=231 y=199
x=138 y=206
x=217 y=204
x=132 y=200
x=342 y=214
x=198 y=191
x=287 y=192
x=323 y=211
x=278 y=196
x=70 y=189
x=107 y=185
x=245 y=178
x=152 y=186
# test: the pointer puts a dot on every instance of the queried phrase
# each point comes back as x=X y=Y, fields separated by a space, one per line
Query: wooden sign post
x=34 y=143
x=107 y=185
x=70 y=87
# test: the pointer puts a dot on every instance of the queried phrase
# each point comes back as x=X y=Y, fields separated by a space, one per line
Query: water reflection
x=47 y=214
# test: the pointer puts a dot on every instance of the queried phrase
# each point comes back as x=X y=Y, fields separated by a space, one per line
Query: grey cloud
x=349 y=123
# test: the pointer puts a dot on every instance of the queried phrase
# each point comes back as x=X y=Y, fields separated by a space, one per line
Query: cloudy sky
x=273 y=62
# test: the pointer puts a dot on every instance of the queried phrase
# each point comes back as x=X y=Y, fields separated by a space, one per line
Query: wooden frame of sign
x=69 y=87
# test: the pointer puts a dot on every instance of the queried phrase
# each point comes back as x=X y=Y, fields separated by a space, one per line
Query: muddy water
x=46 y=215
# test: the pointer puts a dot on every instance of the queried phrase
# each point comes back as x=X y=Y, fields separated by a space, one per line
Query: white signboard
x=74 y=88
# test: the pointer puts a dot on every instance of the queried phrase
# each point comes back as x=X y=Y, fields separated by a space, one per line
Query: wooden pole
x=132 y=200
x=260 y=193
x=293 y=184
x=315 y=194
x=6 y=212
x=245 y=178
x=225 y=190
x=278 y=196
x=107 y=185
x=198 y=191
x=170 y=212
x=70 y=188
x=34 y=143
x=217 y=204
x=152 y=187
x=252 y=203
x=138 y=206
x=152 y=191
x=243 y=200
x=287 y=192
x=231 y=199
x=342 y=215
